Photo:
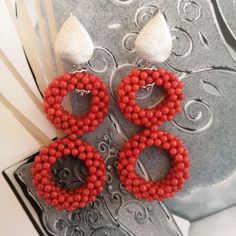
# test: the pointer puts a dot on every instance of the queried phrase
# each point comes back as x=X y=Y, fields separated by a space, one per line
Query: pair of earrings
x=79 y=52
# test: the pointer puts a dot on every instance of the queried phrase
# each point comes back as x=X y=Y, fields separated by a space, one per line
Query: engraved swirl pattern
x=204 y=57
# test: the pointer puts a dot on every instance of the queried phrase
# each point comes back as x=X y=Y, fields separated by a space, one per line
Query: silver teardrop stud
x=154 y=43
x=73 y=43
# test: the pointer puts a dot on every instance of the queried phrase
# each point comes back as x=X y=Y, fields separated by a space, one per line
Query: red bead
x=178 y=157
x=143 y=75
x=155 y=74
x=135 y=72
x=134 y=79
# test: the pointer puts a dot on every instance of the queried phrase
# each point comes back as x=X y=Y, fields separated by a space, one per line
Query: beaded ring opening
x=164 y=111
x=62 y=198
x=80 y=81
x=160 y=189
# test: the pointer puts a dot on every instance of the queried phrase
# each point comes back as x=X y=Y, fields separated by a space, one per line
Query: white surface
x=15 y=142
x=183 y=224
x=220 y=224
x=73 y=43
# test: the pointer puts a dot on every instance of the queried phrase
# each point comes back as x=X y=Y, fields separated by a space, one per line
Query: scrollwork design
x=116 y=197
x=105 y=148
x=109 y=174
x=140 y=216
x=145 y=14
x=189 y=10
x=91 y=217
x=200 y=107
x=182 y=42
x=61 y=225
x=71 y=226
x=128 y=42
x=65 y=173
x=75 y=217
x=137 y=210
x=102 y=61
x=211 y=88
x=69 y=172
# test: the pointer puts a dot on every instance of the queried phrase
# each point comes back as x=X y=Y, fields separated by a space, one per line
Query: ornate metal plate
x=204 y=57
x=116 y=212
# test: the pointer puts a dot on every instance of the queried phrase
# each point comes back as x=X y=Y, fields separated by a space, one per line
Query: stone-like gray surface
x=116 y=212
x=203 y=55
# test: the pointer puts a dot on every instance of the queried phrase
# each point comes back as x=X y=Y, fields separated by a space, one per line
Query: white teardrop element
x=73 y=43
x=154 y=42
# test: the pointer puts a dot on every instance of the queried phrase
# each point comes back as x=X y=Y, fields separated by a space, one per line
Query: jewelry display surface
x=204 y=57
x=115 y=212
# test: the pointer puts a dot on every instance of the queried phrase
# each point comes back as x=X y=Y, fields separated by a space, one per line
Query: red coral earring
x=73 y=126
x=155 y=30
